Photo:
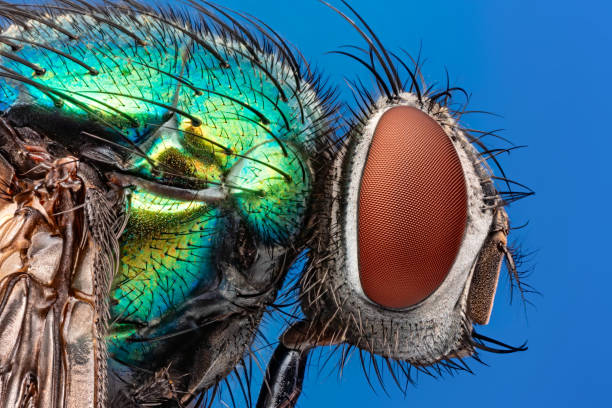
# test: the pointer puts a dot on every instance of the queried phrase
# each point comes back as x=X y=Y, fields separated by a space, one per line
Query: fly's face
x=414 y=209
x=410 y=237
x=406 y=256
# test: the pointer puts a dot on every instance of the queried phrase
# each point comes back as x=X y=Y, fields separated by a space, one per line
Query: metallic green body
x=182 y=114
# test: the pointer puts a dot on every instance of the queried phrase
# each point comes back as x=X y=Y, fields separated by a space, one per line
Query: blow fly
x=161 y=170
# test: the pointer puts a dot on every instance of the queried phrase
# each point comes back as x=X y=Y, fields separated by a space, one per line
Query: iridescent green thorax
x=187 y=109
x=165 y=257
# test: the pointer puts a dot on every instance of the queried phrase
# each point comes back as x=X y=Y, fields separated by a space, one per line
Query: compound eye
x=412 y=209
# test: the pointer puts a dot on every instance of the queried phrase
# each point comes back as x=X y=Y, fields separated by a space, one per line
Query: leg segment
x=284 y=377
x=285 y=373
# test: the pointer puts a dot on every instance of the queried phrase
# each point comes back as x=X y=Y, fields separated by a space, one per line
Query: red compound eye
x=412 y=209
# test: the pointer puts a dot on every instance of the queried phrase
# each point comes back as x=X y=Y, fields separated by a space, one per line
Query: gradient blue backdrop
x=544 y=66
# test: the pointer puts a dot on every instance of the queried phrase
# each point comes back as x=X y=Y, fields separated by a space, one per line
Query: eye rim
x=475 y=196
x=376 y=126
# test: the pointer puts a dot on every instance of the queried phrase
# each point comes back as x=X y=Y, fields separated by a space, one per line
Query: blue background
x=545 y=67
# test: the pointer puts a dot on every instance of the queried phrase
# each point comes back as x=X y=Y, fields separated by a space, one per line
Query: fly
x=161 y=173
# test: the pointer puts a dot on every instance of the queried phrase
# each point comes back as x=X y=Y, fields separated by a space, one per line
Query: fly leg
x=282 y=384
x=284 y=377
